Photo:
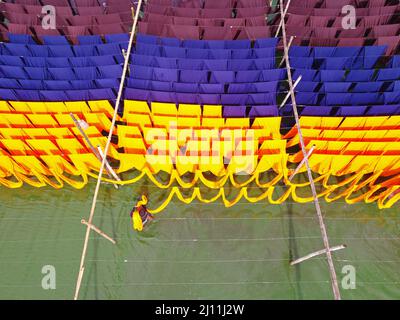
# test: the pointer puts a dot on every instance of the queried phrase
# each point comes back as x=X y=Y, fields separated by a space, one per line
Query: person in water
x=140 y=215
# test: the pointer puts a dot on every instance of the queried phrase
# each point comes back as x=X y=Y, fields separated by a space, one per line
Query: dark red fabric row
x=207 y=13
x=337 y=11
x=337 y=4
x=322 y=21
x=205 y=22
x=209 y=4
x=205 y=33
x=64 y=21
x=334 y=32
x=71 y=32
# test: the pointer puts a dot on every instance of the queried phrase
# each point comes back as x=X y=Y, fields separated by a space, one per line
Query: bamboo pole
x=317 y=253
x=282 y=19
x=98 y=154
x=334 y=282
x=108 y=167
x=291 y=90
x=117 y=104
x=289 y=45
x=301 y=164
x=94 y=228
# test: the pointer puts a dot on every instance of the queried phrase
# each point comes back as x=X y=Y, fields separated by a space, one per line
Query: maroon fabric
x=319 y=21
x=255 y=33
x=37 y=10
x=81 y=20
x=216 y=33
x=319 y=42
x=300 y=11
x=21 y=18
x=86 y=3
x=155 y=29
x=72 y=32
x=87 y=11
x=126 y=17
x=304 y=3
x=256 y=21
x=376 y=3
x=327 y=12
x=297 y=20
x=186 y=12
x=251 y=3
x=368 y=22
x=362 y=12
x=165 y=3
x=57 y=3
x=339 y=3
x=238 y=22
x=108 y=18
x=33 y=9
x=63 y=11
x=213 y=4
x=190 y=4
x=151 y=8
x=351 y=42
x=183 y=21
x=104 y=29
x=126 y=3
x=337 y=23
x=358 y=32
x=158 y=18
x=251 y=12
x=18 y=28
x=240 y=33
x=189 y=32
x=29 y=2
x=391 y=42
x=327 y=33
x=388 y=10
x=206 y=22
x=385 y=31
x=299 y=31
x=118 y=9
x=39 y=31
x=216 y=13
x=12 y=7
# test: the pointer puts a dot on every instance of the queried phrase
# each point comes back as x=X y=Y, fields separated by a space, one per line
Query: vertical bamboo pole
x=117 y=104
x=334 y=282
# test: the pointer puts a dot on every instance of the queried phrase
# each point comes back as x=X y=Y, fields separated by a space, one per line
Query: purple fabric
x=263 y=111
x=234 y=99
x=316 y=111
x=234 y=112
x=222 y=77
x=351 y=111
x=383 y=110
x=209 y=88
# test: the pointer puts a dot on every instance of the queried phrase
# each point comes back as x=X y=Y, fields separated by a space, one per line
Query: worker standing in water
x=139 y=214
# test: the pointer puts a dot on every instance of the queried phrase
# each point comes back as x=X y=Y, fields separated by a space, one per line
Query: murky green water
x=191 y=252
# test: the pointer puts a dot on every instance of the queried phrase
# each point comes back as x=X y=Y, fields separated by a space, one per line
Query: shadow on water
x=293 y=252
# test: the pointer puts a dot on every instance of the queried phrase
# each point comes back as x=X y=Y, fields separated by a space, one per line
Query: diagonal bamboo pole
x=334 y=282
x=97 y=153
x=282 y=18
x=316 y=254
x=96 y=192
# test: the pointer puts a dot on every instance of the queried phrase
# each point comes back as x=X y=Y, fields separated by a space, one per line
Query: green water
x=191 y=252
